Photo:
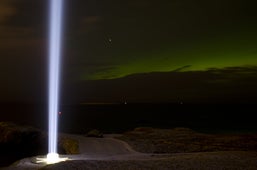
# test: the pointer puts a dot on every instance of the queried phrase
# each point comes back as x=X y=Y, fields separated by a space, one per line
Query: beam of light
x=53 y=93
x=54 y=69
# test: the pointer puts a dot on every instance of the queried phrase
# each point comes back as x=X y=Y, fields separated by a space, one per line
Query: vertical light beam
x=54 y=70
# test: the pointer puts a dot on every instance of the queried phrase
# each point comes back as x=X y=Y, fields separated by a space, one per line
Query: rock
x=94 y=133
x=68 y=146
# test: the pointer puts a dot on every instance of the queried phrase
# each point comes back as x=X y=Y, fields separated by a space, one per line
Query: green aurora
x=215 y=53
x=133 y=37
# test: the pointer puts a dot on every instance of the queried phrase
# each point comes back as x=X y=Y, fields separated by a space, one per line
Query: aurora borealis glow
x=114 y=40
x=221 y=53
x=165 y=36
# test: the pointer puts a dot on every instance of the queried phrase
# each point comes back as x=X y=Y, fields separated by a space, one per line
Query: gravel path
x=113 y=154
x=102 y=146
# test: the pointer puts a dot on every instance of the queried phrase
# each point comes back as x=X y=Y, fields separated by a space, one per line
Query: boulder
x=68 y=145
x=94 y=133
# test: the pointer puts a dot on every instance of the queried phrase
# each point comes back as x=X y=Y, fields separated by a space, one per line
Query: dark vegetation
x=183 y=140
x=17 y=142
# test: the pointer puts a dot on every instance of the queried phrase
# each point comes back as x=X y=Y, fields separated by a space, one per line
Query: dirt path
x=107 y=148
x=109 y=153
x=102 y=146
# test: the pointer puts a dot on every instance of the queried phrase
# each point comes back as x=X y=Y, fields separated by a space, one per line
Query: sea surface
x=120 y=117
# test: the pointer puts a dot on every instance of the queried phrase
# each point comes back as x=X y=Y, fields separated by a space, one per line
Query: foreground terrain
x=157 y=149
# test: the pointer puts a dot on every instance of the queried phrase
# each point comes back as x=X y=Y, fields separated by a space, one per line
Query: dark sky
x=133 y=50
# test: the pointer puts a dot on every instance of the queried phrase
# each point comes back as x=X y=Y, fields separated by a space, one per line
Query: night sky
x=133 y=50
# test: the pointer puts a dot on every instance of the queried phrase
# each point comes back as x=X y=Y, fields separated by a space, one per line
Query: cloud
x=18 y=28
x=6 y=10
x=18 y=37
x=88 y=24
x=90 y=20
x=15 y=32
x=182 y=68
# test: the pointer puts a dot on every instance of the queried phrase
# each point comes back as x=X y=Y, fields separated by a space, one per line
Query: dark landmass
x=117 y=118
x=213 y=85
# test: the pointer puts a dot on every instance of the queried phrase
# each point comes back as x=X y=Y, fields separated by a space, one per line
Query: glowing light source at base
x=51 y=158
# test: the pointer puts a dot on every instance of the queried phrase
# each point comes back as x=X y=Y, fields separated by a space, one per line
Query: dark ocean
x=117 y=118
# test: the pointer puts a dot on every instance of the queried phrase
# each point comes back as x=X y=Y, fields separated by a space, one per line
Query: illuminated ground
x=109 y=153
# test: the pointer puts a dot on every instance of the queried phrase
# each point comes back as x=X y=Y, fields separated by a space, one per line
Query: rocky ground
x=192 y=161
x=184 y=140
x=154 y=149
